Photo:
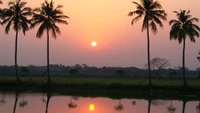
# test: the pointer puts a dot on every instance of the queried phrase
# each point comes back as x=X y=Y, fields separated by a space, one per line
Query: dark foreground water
x=51 y=103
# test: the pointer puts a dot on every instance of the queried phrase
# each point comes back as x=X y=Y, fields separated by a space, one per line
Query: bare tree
x=158 y=63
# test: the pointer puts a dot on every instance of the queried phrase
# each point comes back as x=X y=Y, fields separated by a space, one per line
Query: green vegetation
x=102 y=86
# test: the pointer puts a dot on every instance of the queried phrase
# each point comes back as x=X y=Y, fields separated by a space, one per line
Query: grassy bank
x=110 y=87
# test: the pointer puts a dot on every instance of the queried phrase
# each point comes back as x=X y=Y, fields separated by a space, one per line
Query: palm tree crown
x=16 y=15
x=184 y=26
x=181 y=28
x=150 y=11
x=47 y=16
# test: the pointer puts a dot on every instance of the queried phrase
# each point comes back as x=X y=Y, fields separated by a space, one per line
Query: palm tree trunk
x=148 y=53
x=183 y=61
x=16 y=68
x=49 y=79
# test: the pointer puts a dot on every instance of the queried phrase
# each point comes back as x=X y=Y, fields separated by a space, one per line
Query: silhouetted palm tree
x=152 y=14
x=181 y=28
x=16 y=14
x=1 y=11
x=47 y=16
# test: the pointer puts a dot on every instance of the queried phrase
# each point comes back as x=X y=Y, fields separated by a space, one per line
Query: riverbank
x=105 y=87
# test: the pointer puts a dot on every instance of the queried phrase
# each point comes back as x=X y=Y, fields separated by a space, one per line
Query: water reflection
x=71 y=103
x=171 y=108
x=52 y=103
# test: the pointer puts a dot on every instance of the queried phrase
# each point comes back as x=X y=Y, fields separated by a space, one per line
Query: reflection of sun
x=91 y=107
x=93 y=44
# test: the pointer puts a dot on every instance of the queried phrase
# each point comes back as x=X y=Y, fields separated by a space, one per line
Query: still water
x=51 y=103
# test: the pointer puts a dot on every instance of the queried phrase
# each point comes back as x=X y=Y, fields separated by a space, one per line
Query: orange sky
x=107 y=23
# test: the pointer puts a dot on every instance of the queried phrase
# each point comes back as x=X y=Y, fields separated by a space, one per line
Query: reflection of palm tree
x=150 y=10
x=71 y=103
x=198 y=107
x=149 y=105
x=47 y=102
x=119 y=107
x=182 y=28
x=171 y=108
x=184 y=105
x=47 y=16
x=16 y=100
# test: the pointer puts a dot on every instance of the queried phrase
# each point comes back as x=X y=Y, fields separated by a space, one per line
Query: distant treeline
x=85 y=70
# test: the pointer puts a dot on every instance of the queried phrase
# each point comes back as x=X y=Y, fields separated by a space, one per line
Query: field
x=110 y=87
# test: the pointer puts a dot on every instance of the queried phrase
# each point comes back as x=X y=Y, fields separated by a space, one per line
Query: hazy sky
x=107 y=23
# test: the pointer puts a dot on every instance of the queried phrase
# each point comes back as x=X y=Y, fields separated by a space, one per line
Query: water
x=51 y=103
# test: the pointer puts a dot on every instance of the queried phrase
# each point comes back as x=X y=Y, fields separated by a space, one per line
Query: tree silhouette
x=158 y=63
x=73 y=72
x=152 y=13
x=24 y=70
x=17 y=15
x=120 y=72
x=181 y=28
x=47 y=16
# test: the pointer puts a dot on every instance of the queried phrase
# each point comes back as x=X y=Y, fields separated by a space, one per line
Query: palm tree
x=152 y=14
x=47 y=16
x=16 y=15
x=181 y=28
x=1 y=11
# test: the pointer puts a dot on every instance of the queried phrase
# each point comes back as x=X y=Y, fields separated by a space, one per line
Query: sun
x=93 y=44
x=91 y=107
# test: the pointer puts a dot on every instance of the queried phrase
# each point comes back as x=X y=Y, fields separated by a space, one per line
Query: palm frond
x=48 y=16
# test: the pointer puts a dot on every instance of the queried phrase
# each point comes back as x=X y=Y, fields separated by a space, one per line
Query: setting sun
x=91 y=107
x=93 y=44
